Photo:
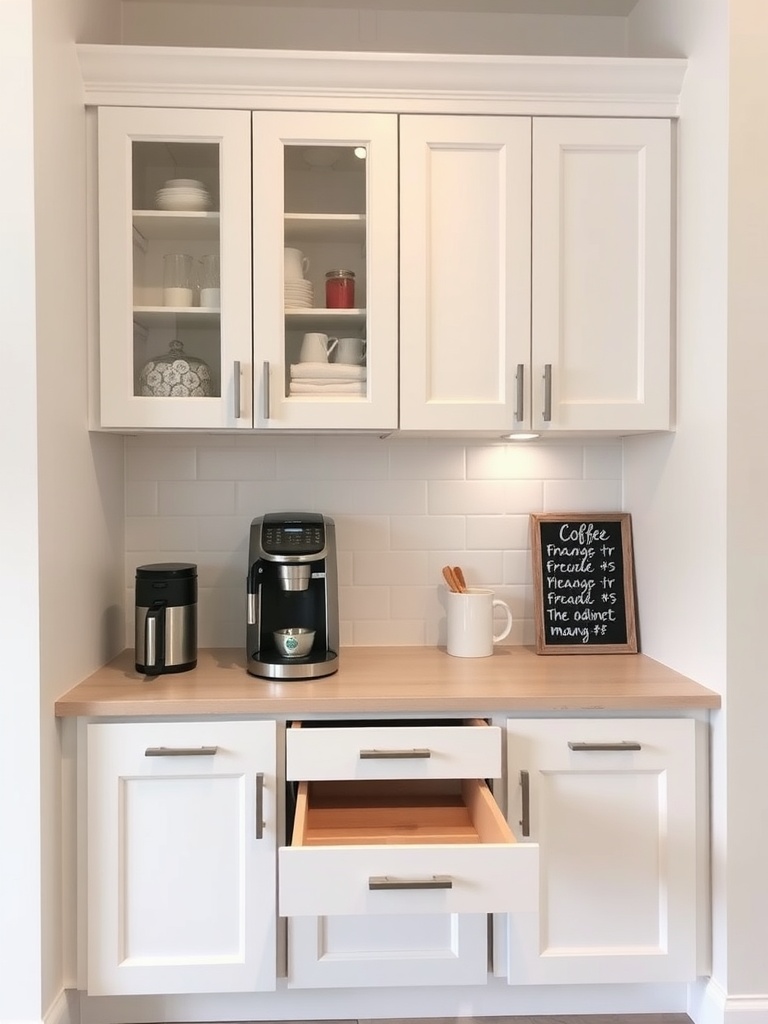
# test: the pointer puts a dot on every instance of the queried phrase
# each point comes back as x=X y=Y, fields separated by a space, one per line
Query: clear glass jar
x=340 y=289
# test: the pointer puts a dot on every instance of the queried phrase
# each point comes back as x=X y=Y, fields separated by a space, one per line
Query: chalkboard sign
x=584 y=588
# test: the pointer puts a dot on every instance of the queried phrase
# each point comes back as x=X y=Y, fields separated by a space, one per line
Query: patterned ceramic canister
x=176 y=375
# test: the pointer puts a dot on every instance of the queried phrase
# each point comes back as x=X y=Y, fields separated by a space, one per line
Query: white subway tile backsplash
x=603 y=462
x=419 y=533
x=403 y=508
x=196 y=498
x=371 y=497
x=236 y=464
x=363 y=533
x=158 y=533
x=224 y=533
x=582 y=496
x=254 y=498
x=357 y=603
x=390 y=568
x=524 y=497
x=144 y=462
x=492 y=532
x=467 y=497
x=141 y=498
x=422 y=460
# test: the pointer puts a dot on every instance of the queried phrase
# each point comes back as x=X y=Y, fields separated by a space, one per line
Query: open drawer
x=460 y=749
x=428 y=846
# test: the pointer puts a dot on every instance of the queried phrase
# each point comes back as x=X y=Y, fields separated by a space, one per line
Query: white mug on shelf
x=315 y=348
x=470 y=623
x=351 y=350
x=296 y=264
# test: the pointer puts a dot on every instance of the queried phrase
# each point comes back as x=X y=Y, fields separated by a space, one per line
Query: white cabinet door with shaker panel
x=614 y=807
x=181 y=855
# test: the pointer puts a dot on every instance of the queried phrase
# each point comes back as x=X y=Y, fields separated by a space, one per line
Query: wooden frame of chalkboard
x=584 y=583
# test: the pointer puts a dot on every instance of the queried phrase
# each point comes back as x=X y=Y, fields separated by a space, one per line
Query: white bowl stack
x=298 y=294
x=183 y=194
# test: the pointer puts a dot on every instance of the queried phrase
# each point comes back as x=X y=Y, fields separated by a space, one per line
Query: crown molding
x=320 y=80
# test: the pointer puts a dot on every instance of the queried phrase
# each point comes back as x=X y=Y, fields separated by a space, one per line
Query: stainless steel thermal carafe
x=166 y=617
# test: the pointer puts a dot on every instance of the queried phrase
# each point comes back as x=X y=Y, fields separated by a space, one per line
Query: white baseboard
x=710 y=1004
x=65 y=1008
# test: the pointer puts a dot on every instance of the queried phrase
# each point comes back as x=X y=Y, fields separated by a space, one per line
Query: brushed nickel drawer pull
x=236 y=377
x=386 y=882
x=519 y=392
x=391 y=755
x=180 y=751
x=621 y=745
x=260 y=805
x=525 y=786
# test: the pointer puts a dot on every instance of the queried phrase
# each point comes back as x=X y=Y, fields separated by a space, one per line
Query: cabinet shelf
x=333 y=319
x=181 y=225
x=310 y=227
x=170 y=316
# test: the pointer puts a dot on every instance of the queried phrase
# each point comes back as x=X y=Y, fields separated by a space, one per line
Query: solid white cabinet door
x=325 y=184
x=142 y=319
x=374 y=951
x=181 y=857
x=616 y=830
x=601 y=274
x=465 y=222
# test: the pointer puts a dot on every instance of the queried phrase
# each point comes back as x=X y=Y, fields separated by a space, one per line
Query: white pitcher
x=315 y=348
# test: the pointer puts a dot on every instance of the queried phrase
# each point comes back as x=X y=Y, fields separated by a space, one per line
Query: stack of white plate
x=298 y=294
x=183 y=194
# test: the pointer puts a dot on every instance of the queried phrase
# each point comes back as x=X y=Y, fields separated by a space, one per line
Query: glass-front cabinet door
x=174 y=268
x=325 y=278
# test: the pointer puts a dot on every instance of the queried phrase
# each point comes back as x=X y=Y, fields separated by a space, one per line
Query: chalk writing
x=579 y=565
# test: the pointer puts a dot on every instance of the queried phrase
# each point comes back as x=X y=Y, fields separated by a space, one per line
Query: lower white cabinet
x=612 y=804
x=181 y=845
x=395 y=853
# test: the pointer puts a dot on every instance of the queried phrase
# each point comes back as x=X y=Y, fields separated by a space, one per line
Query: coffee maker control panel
x=292 y=538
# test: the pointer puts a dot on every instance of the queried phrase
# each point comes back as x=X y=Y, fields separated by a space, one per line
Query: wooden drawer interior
x=399 y=812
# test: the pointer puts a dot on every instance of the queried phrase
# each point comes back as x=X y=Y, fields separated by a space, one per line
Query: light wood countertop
x=392 y=680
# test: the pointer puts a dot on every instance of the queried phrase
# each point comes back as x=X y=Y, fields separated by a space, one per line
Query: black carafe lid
x=167 y=571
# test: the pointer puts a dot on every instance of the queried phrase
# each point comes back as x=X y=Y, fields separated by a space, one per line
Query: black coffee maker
x=292 y=594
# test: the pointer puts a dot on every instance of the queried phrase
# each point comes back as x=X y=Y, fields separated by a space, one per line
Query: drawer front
x=435 y=879
x=394 y=752
x=403 y=847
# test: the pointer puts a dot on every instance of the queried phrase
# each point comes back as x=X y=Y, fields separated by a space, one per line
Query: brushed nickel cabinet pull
x=260 y=805
x=520 y=392
x=386 y=882
x=180 y=751
x=525 y=786
x=392 y=755
x=622 y=745
x=547 y=414
x=237 y=389
x=266 y=388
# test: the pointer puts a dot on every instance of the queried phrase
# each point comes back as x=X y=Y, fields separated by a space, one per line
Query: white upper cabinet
x=325 y=191
x=489 y=274
x=601 y=306
x=465 y=271
x=173 y=350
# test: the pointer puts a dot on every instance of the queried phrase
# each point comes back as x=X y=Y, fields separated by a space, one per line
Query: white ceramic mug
x=470 y=623
x=296 y=264
x=351 y=350
x=315 y=348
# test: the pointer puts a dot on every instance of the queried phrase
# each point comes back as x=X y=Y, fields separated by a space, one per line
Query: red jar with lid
x=340 y=289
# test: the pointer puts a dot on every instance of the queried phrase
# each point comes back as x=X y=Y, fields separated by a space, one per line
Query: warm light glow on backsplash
x=403 y=509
